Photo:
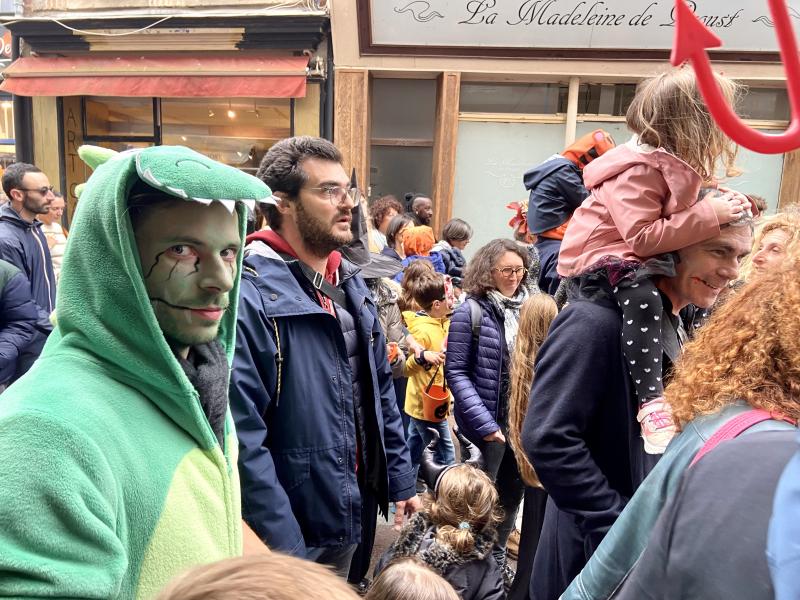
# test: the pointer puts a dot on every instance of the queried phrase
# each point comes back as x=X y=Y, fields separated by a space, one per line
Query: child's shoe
x=658 y=428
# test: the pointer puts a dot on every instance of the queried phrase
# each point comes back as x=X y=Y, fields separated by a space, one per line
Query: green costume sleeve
x=58 y=532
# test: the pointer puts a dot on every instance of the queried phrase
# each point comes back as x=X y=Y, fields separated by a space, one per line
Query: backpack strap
x=475 y=316
x=733 y=428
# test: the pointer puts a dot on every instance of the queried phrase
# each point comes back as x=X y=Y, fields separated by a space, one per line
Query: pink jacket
x=643 y=202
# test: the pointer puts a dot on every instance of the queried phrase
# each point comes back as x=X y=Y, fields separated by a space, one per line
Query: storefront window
x=765 y=104
x=605 y=99
x=403 y=122
x=515 y=98
x=236 y=132
x=119 y=117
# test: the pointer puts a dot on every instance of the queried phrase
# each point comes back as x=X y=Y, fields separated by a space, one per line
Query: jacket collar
x=275 y=241
x=284 y=294
x=7 y=213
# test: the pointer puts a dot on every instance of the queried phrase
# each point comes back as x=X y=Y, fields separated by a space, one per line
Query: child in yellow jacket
x=429 y=328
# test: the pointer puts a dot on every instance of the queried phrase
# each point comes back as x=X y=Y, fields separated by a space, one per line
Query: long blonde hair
x=668 y=111
x=535 y=317
x=749 y=350
x=464 y=495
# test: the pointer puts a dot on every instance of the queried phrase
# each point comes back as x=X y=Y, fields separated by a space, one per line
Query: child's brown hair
x=411 y=274
x=535 y=317
x=410 y=579
x=427 y=289
x=465 y=504
x=272 y=576
x=669 y=112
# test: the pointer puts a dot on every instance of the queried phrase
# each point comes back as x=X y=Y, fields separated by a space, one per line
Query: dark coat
x=557 y=189
x=549 y=279
x=298 y=447
x=392 y=253
x=582 y=434
x=474 y=575
x=25 y=246
x=18 y=318
x=719 y=554
x=474 y=374
x=454 y=261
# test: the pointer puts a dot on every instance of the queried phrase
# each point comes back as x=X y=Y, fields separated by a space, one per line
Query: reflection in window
x=119 y=117
x=237 y=132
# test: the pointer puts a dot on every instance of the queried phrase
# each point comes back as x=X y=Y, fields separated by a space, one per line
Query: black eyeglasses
x=509 y=272
x=42 y=190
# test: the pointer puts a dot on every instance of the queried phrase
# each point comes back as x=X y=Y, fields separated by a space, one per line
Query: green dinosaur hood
x=103 y=311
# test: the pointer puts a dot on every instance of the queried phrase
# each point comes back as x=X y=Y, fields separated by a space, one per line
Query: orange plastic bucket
x=435 y=401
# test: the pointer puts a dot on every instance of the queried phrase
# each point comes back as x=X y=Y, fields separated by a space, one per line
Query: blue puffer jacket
x=292 y=401
x=474 y=374
x=18 y=317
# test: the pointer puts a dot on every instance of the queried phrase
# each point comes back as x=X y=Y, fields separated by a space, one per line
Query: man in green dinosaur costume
x=120 y=472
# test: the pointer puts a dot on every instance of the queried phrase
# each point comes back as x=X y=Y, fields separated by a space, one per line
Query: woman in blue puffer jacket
x=478 y=364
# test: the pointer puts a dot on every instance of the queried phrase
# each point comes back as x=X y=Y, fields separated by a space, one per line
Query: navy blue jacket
x=557 y=189
x=474 y=373
x=18 y=317
x=454 y=261
x=25 y=246
x=297 y=448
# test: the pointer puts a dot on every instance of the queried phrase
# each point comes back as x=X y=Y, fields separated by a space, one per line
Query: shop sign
x=743 y=25
x=5 y=50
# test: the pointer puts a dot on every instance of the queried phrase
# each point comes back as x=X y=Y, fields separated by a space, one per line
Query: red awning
x=165 y=76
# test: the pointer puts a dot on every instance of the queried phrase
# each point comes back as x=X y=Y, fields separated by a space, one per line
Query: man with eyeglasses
x=24 y=245
x=311 y=388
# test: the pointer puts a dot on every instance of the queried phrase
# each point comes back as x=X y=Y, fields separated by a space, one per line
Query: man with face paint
x=121 y=472
x=311 y=388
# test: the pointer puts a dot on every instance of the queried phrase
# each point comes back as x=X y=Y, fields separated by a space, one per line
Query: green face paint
x=188 y=255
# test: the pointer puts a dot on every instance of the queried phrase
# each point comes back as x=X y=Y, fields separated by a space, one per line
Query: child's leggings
x=642 y=311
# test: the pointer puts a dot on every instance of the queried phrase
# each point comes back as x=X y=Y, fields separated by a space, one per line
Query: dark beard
x=317 y=235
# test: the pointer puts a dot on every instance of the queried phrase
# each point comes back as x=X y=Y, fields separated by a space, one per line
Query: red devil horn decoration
x=692 y=38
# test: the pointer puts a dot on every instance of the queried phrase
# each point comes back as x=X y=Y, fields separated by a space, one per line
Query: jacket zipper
x=44 y=268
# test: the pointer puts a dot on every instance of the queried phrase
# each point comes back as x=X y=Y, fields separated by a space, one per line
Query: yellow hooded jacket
x=431 y=334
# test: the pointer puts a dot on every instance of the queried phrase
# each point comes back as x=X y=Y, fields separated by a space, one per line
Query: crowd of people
x=212 y=381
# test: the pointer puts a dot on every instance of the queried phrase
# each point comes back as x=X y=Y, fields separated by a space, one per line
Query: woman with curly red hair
x=747 y=357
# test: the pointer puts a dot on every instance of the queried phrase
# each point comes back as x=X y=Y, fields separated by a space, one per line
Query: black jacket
x=474 y=575
x=709 y=542
x=581 y=433
x=18 y=318
x=557 y=189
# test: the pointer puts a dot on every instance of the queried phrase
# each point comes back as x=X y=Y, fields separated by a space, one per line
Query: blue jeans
x=419 y=437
